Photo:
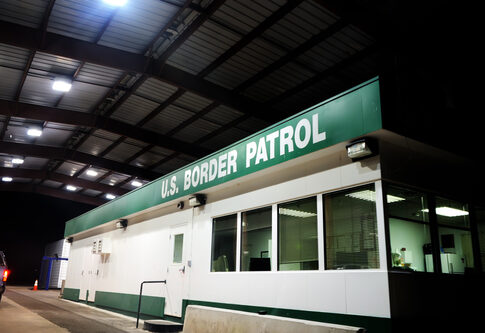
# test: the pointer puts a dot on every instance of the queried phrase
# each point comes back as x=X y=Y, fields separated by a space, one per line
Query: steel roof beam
x=61 y=178
x=52 y=192
x=23 y=110
x=26 y=37
x=19 y=149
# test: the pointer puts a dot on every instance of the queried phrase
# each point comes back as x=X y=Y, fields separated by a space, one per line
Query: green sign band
x=351 y=114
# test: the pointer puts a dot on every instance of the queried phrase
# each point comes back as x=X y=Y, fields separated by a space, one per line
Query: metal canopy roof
x=157 y=84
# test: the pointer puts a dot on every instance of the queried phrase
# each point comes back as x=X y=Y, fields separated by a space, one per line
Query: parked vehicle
x=4 y=272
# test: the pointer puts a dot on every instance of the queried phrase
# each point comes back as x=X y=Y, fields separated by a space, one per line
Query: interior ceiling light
x=117 y=3
x=295 y=213
x=7 y=179
x=62 y=85
x=17 y=161
x=369 y=195
x=34 y=132
x=91 y=173
x=110 y=196
x=448 y=211
x=71 y=188
x=136 y=183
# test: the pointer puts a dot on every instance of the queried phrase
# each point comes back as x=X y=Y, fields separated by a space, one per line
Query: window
x=224 y=232
x=409 y=230
x=454 y=236
x=351 y=229
x=297 y=235
x=178 y=247
x=256 y=240
x=480 y=217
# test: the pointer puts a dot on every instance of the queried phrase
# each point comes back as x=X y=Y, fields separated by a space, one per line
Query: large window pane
x=407 y=204
x=178 y=248
x=409 y=230
x=452 y=213
x=481 y=234
x=456 y=252
x=410 y=245
x=256 y=240
x=297 y=235
x=351 y=229
x=224 y=231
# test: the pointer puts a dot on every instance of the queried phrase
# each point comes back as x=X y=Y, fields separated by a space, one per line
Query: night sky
x=28 y=222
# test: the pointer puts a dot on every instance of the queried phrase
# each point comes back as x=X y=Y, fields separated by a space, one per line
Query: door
x=176 y=271
x=89 y=274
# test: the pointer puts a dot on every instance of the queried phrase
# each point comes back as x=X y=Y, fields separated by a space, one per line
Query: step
x=162 y=326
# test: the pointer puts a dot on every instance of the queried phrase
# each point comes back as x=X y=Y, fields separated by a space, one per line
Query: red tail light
x=5 y=275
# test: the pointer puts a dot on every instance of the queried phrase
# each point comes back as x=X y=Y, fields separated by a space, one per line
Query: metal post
x=139 y=298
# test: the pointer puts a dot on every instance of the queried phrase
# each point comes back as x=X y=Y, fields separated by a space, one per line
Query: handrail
x=139 y=298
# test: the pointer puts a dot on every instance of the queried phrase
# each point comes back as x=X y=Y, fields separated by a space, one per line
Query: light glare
x=136 y=183
x=117 y=3
x=7 y=179
x=71 y=188
x=34 y=132
x=17 y=161
x=110 y=196
x=61 y=85
x=91 y=173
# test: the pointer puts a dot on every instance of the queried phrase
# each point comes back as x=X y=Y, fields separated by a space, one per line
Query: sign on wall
x=351 y=114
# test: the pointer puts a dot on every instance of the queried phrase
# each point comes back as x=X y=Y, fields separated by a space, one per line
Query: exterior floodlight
x=34 y=132
x=122 y=224
x=91 y=173
x=361 y=148
x=7 y=179
x=117 y=3
x=62 y=85
x=136 y=183
x=197 y=200
x=110 y=196
x=17 y=161
x=71 y=188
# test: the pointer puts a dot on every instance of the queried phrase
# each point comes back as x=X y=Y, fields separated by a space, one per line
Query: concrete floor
x=42 y=311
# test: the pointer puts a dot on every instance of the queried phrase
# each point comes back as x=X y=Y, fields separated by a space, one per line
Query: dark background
x=28 y=222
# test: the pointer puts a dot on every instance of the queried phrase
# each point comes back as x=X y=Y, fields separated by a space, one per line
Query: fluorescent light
x=91 y=173
x=34 y=132
x=369 y=195
x=7 y=179
x=110 y=196
x=71 y=188
x=61 y=85
x=117 y=3
x=295 y=213
x=17 y=161
x=136 y=183
x=448 y=211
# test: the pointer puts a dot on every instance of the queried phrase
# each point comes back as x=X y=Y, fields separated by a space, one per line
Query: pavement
x=42 y=311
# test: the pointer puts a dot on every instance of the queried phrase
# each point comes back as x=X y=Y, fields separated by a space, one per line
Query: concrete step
x=162 y=326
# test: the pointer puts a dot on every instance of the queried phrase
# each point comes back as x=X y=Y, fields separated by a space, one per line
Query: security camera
x=180 y=205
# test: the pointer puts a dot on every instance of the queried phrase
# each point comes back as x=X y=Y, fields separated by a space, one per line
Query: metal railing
x=139 y=298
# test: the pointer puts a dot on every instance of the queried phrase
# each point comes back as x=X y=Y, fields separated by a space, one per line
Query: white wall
x=141 y=252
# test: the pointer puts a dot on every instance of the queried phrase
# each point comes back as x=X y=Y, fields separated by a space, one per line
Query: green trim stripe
x=346 y=116
x=150 y=305
x=71 y=294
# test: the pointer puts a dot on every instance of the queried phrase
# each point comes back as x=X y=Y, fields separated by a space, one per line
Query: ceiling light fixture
x=7 y=179
x=448 y=211
x=369 y=195
x=36 y=132
x=62 y=85
x=117 y=3
x=17 y=160
x=71 y=188
x=136 y=183
x=295 y=213
x=110 y=196
x=91 y=173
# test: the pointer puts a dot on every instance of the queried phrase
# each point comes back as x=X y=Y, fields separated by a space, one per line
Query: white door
x=176 y=271
x=89 y=273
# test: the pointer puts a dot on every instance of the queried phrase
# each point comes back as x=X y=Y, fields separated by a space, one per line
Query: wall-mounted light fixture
x=197 y=200
x=361 y=148
x=70 y=240
x=122 y=224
